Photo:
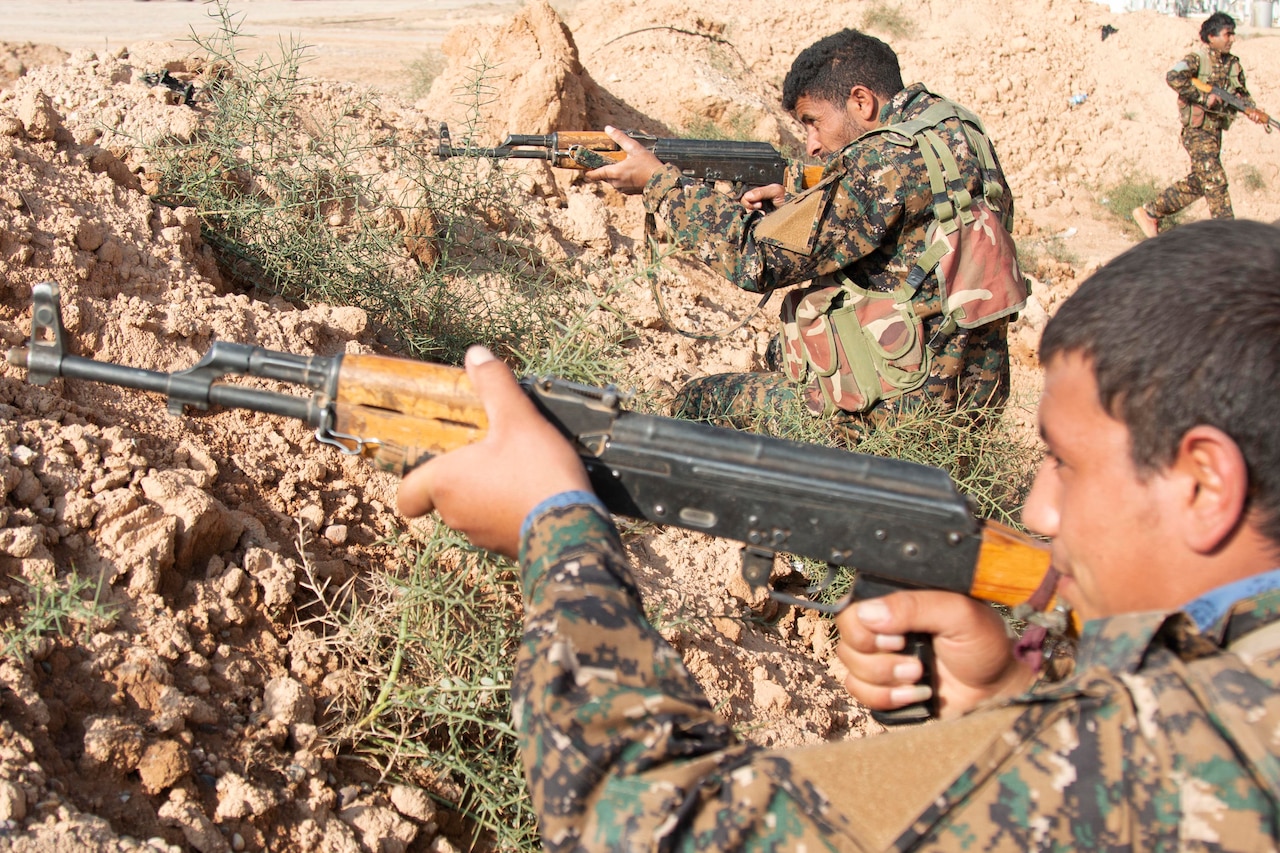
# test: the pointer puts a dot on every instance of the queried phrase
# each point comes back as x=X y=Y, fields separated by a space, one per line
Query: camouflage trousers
x=971 y=369
x=1207 y=178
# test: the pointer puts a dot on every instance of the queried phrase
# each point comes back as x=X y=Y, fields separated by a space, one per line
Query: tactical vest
x=1228 y=75
x=855 y=347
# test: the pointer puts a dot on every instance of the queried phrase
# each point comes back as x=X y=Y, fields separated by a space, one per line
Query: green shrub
x=295 y=199
x=423 y=71
x=428 y=653
x=1250 y=177
x=52 y=607
x=1120 y=200
x=893 y=21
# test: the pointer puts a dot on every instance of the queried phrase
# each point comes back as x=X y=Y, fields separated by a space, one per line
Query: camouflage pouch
x=854 y=347
x=1191 y=115
x=972 y=253
x=978 y=272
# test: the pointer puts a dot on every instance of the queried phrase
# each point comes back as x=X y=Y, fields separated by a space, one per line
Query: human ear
x=863 y=103
x=1215 y=482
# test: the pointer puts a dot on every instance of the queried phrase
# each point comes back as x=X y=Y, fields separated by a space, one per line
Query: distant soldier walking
x=1204 y=116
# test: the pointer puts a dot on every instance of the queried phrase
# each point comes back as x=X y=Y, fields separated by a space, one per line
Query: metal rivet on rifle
x=881 y=535
x=659 y=510
x=779 y=536
x=954 y=538
x=910 y=550
x=754 y=537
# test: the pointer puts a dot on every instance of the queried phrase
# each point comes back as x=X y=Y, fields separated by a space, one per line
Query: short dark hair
x=828 y=69
x=1183 y=330
x=1214 y=24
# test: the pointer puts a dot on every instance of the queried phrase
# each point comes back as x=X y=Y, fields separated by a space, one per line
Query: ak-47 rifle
x=742 y=164
x=900 y=524
x=1232 y=99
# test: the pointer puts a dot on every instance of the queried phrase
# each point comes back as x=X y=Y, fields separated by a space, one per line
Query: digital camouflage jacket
x=875 y=207
x=1162 y=739
x=1216 y=69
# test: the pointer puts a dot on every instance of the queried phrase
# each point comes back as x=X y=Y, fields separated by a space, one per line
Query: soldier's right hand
x=762 y=198
x=973 y=653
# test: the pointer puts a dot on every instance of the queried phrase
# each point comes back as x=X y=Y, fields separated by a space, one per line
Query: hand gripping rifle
x=900 y=524
x=1232 y=99
x=742 y=164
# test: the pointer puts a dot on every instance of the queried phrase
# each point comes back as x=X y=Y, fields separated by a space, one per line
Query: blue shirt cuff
x=569 y=498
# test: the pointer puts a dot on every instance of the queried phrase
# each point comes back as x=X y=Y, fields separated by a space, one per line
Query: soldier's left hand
x=630 y=174
x=1257 y=115
x=486 y=489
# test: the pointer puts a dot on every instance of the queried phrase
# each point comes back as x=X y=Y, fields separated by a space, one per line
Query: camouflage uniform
x=876 y=208
x=623 y=751
x=1202 y=132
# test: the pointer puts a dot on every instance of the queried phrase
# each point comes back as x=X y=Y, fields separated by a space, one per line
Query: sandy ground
x=350 y=39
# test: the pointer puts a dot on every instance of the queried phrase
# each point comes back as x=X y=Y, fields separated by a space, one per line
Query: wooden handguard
x=1010 y=565
x=594 y=139
x=397 y=412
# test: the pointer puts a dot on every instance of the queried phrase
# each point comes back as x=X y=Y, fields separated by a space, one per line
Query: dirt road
x=366 y=40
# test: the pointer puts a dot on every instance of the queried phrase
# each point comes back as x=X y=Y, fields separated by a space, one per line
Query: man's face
x=829 y=127
x=1222 y=41
x=1107 y=522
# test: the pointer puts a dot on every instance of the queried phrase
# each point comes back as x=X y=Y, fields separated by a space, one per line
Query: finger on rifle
x=972 y=651
x=757 y=198
x=626 y=143
x=415 y=496
x=630 y=174
x=486 y=489
x=877 y=676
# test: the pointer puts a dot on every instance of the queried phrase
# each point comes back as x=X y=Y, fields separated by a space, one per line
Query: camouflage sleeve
x=621 y=749
x=598 y=695
x=859 y=213
x=1180 y=75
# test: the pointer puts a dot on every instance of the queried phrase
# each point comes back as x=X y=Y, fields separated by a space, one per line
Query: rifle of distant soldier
x=900 y=525
x=1234 y=100
x=742 y=164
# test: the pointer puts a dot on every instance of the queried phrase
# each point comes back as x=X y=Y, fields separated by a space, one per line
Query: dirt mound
x=193 y=715
x=15 y=59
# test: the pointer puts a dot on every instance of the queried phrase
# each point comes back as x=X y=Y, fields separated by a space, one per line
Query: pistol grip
x=919 y=646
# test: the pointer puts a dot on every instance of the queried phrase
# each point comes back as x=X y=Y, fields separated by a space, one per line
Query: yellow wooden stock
x=1010 y=567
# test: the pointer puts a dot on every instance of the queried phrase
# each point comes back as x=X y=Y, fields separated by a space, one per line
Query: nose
x=1040 y=512
x=811 y=144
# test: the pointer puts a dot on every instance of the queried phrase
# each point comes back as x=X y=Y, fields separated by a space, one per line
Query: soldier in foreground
x=1204 y=117
x=876 y=331
x=1161 y=491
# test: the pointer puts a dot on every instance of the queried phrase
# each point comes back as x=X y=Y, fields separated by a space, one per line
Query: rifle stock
x=900 y=525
